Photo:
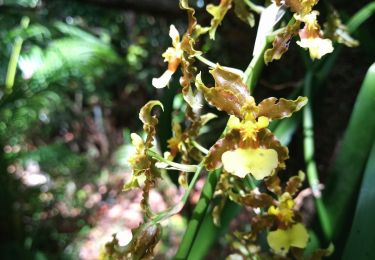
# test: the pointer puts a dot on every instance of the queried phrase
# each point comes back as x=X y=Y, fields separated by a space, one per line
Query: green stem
x=309 y=151
x=180 y=205
x=198 y=215
x=252 y=72
x=12 y=65
x=256 y=8
x=199 y=147
x=177 y=166
x=213 y=65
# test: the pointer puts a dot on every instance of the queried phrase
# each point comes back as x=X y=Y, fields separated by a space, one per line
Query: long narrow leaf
x=362 y=237
x=346 y=173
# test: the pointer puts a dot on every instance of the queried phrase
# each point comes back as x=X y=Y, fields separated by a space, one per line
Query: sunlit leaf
x=279 y=109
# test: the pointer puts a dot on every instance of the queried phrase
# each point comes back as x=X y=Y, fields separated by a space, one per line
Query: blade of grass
x=362 y=237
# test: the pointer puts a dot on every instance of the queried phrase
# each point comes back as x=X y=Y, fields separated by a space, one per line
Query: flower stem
x=309 y=151
x=167 y=214
x=177 y=166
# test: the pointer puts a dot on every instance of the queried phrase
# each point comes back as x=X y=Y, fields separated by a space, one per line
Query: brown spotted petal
x=257 y=200
x=230 y=94
x=294 y=183
x=229 y=142
x=301 y=6
x=280 y=44
x=267 y=140
x=279 y=109
x=273 y=184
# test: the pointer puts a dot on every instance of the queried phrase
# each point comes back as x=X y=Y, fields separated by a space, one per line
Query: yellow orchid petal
x=299 y=235
x=259 y=162
x=173 y=33
x=263 y=122
x=318 y=47
x=137 y=141
x=163 y=80
x=281 y=240
x=234 y=122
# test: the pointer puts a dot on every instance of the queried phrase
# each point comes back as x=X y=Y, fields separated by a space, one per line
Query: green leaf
x=347 y=171
x=198 y=215
x=362 y=238
x=208 y=232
